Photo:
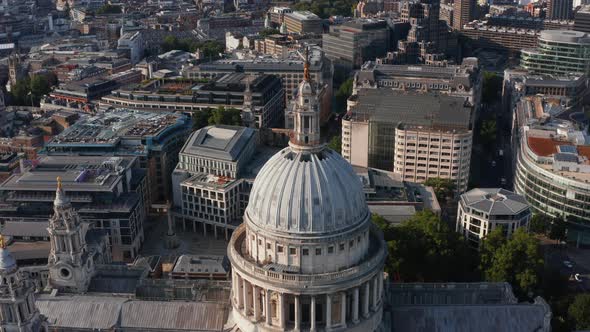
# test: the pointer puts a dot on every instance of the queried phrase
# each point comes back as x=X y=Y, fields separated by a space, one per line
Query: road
x=492 y=166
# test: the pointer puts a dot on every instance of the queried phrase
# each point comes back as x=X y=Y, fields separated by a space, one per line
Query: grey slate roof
x=481 y=318
x=219 y=142
x=28 y=228
x=494 y=201
x=102 y=313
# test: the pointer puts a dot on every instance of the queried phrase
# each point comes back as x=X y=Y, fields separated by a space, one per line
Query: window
x=330 y=249
x=280 y=248
x=259 y=242
x=341 y=247
x=292 y=251
x=351 y=244
x=318 y=251
x=305 y=252
x=268 y=245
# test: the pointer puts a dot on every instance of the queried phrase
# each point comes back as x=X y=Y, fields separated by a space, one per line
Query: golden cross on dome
x=306 y=66
x=59 y=183
x=2 y=242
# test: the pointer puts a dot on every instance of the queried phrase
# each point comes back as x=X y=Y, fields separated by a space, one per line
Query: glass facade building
x=559 y=52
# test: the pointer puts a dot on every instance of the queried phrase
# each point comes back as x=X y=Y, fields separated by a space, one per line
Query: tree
x=487 y=133
x=579 y=311
x=491 y=85
x=226 y=116
x=425 y=249
x=201 y=118
x=341 y=96
x=518 y=261
x=443 y=188
x=336 y=144
x=30 y=90
x=557 y=230
x=109 y=9
x=268 y=31
x=539 y=223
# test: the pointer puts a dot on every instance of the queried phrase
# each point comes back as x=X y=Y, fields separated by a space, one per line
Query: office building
x=229 y=91
x=107 y=192
x=132 y=42
x=582 y=19
x=210 y=180
x=463 y=11
x=352 y=43
x=289 y=69
x=552 y=168
x=482 y=210
x=414 y=121
x=299 y=22
x=156 y=138
x=499 y=38
x=559 y=52
x=560 y=9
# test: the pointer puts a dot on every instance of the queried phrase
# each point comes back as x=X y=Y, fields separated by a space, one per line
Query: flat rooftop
x=78 y=174
x=219 y=142
x=108 y=128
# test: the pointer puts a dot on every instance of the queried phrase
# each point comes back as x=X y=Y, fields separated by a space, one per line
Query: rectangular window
x=268 y=246
x=318 y=251
x=280 y=248
x=305 y=252
x=292 y=251
x=341 y=247
x=330 y=249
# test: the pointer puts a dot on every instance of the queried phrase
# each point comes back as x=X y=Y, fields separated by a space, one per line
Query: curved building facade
x=307 y=257
x=555 y=182
x=559 y=52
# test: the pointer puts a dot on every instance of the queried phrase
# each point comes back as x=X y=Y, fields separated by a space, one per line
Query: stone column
x=240 y=293
x=245 y=296
x=343 y=309
x=256 y=300
x=282 y=306
x=312 y=314
x=380 y=286
x=374 y=303
x=268 y=307
x=366 y=300
x=297 y=313
x=328 y=311
x=355 y=305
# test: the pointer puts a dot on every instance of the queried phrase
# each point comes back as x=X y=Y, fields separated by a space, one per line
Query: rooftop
x=78 y=174
x=565 y=36
x=495 y=201
x=219 y=142
x=110 y=127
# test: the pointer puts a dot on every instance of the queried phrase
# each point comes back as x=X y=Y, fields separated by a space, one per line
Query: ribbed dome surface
x=7 y=262
x=307 y=193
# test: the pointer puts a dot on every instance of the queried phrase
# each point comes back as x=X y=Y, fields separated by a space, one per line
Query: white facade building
x=482 y=210
x=307 y=256
x=134 y=42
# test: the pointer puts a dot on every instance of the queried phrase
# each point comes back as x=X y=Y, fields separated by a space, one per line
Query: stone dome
x=307 y=193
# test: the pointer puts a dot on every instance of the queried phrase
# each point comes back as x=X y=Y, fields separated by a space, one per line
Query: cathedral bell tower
x=18 y=312
x=306 y=114
x=70 y=266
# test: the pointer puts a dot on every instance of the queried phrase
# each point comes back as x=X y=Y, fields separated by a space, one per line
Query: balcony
x=241 y=261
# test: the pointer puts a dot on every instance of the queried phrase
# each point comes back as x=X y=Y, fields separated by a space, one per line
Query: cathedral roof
x=306 y=188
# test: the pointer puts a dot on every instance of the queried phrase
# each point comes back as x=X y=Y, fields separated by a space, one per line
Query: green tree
x=201 y=118
x=491 y=85
x=517 y=261
x=579 y=311
x=557 y=229
x=487 y=133
x=30 y=90
x=336 y=144
x=425 y=249
x=225 y=116
x=539 y=223
x=268 y=31
x=443 y=188
x=341 y=96
x=109 y=9
x=493 y=241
